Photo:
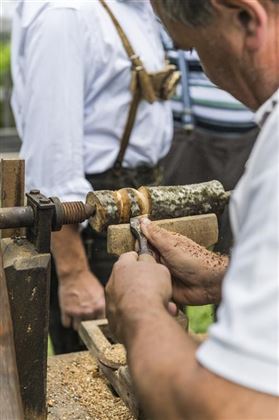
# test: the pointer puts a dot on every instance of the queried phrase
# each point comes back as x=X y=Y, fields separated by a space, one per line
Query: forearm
x=68 y=252
x=162 y=369
x=172 y=385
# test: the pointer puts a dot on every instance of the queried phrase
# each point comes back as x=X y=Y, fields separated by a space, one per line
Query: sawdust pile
x=116 y=354
x=78 y=391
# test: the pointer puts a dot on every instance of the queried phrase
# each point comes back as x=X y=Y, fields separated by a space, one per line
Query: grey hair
x=190 y=12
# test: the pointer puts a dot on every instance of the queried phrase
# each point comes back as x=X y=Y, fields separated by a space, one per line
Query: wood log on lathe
x=108 y=208
x=115 y=207
x=185 y=200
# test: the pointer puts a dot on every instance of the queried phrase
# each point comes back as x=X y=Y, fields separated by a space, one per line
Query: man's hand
x=138 y=287
x=197 y=273
x=81 y=297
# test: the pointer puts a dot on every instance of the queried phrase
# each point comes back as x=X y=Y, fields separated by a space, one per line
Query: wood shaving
x=78 y=391
x=116 y=353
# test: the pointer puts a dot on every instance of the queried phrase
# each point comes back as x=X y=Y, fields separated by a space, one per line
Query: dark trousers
x=204 y=155
x=66 y=340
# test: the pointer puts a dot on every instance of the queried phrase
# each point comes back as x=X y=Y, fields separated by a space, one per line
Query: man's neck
x=262 y=86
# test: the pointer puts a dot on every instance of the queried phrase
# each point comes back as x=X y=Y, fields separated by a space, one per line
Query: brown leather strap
x=142 y=86
x=126 y=43
x=128 y=128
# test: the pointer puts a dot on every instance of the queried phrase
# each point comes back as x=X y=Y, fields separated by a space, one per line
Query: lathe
x=26 y=223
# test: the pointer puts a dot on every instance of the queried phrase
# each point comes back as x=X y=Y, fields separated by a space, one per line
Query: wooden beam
x=10 y=400
x=12 y=188
x=201 y=229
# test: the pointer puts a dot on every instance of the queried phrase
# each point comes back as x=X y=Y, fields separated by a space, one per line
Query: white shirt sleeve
x=53 y=105
x=243 y=345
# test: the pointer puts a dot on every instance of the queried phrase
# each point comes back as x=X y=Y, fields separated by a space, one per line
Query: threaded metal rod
x=76 y=212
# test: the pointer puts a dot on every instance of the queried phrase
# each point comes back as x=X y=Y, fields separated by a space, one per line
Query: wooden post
x=28 y=278
x=12 y=188
x=10 y=400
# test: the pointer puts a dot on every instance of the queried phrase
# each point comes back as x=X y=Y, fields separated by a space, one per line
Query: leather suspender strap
x=126 y=43
x=145 y=83
x=128 y=128
x=141 y=86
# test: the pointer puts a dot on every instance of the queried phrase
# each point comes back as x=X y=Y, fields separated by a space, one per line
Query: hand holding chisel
x=145 y=252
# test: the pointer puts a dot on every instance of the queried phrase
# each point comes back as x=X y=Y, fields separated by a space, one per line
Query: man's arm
x=169 y=382
x=172 y=385
x=81 y=296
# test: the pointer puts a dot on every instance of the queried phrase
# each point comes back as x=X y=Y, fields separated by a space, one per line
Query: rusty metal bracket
x=40 y=232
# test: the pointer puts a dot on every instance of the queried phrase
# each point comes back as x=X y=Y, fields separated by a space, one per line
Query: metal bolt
x=35 y=192
x=44 y=201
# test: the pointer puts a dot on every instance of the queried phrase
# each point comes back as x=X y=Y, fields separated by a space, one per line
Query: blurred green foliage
x=200 y=318
x=49 y=347
x=5 y=58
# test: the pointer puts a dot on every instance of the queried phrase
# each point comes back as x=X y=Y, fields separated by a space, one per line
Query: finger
x=128 y=257
x=97 y=311
x=76 y=323
x=172 y=309
x=100 y=313
x=158 y=237
x=147 y=258
x=66 y=320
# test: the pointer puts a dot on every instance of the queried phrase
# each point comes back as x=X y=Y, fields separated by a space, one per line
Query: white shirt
x=71 y=91
x=243 y=346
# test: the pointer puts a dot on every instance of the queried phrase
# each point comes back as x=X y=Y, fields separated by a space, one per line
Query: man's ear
x=248 y=15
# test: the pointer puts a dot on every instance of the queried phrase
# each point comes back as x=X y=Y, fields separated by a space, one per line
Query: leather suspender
x=141 y=86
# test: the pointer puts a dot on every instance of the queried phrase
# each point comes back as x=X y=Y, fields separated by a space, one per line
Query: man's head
x=237 y=41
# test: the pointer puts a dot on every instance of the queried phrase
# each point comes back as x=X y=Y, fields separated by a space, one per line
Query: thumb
x=172 y=309
x=76 y=323
x=160 y=238
x=66 y=320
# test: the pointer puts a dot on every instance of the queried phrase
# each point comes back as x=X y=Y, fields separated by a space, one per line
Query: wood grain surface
x=202 y=229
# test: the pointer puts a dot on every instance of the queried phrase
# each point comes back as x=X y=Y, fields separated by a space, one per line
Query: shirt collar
x=266 y=109
x=136 y=3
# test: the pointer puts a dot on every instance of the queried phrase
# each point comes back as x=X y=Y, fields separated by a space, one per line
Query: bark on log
x=185 y=200
x=10 y=400
x=115 y=207
x=108 y=208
